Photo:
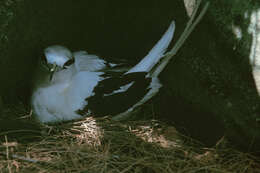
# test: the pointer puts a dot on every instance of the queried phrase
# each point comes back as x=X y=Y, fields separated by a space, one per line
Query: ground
x=102 y=145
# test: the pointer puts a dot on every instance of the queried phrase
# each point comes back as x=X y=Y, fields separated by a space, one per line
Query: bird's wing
x=116 y=94
x=116 y=69
x=157 y=52
x=87 y=62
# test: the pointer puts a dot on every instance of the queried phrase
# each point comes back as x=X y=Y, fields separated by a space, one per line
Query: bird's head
x=57 y=57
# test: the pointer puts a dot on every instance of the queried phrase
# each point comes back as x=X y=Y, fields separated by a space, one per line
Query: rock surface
x=212 y=72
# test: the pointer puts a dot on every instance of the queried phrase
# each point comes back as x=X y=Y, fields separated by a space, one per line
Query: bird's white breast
x=58 y=101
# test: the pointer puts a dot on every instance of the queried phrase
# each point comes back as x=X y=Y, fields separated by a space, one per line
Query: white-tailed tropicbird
x=83 y=84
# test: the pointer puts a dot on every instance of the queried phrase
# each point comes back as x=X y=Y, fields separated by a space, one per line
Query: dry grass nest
x=96 y=145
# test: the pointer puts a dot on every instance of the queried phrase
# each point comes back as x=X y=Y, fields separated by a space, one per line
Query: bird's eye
x=68 y=63
x=44 y=64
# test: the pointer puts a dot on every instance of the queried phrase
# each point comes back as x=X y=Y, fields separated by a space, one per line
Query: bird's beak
x=53 y=70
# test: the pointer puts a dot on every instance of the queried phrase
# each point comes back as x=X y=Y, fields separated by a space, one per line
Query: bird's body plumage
x=93 y=86
x=83 y=84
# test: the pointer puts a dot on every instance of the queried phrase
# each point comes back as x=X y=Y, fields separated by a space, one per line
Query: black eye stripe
x=43 y=58
x=69 y=62
x=43 y=62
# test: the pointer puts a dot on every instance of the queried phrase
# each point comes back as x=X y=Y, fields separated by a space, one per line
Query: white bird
x=81 y=84
x=84 y=84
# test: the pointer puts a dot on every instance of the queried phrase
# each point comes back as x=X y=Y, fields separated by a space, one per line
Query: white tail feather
x=157 y=52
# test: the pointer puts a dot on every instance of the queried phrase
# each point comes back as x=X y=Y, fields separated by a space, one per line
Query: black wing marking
x=117 y=68
x=106 y=101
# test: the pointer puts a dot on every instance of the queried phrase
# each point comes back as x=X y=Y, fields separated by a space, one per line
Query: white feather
x=57 y=55
x=59 y=101
x=121 y=89
x=154 y=89
x=157 y=52
x=87 y=62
